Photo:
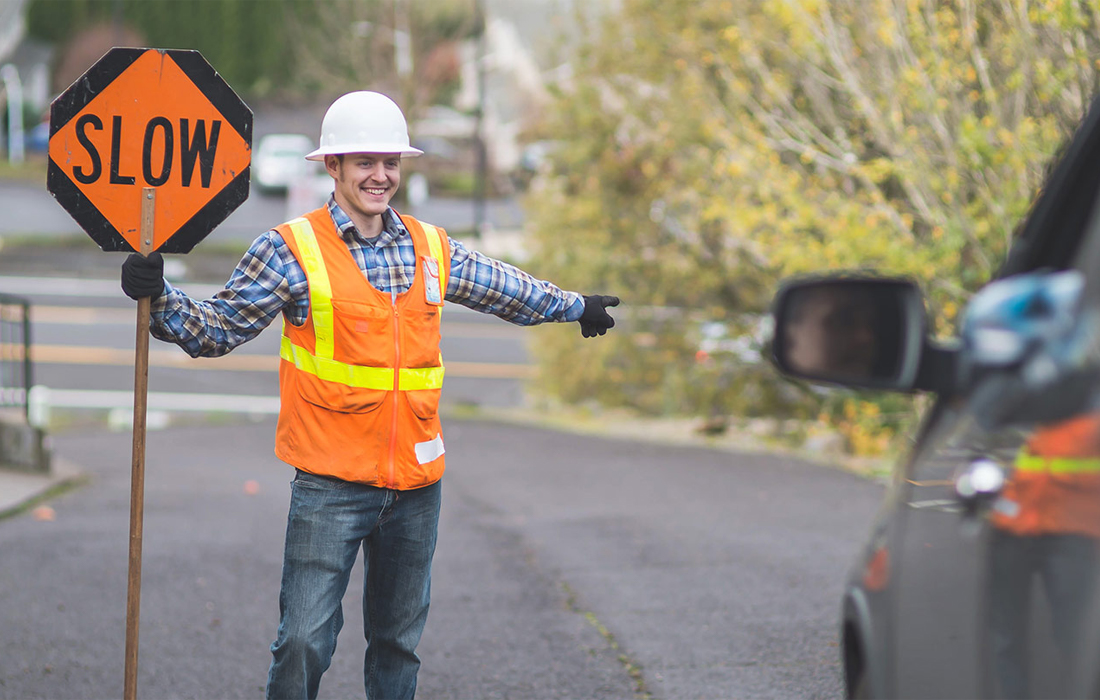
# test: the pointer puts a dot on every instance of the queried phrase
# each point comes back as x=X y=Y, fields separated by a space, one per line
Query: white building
x=519 y=55
x=30 y=59
x=13 y=26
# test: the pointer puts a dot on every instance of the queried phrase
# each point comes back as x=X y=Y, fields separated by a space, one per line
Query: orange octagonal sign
x=149 y=118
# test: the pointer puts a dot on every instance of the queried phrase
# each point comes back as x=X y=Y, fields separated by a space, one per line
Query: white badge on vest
x=432 y=291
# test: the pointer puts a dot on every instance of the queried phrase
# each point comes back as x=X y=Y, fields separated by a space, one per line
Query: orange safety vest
x=1055 y=488
x=359 y=381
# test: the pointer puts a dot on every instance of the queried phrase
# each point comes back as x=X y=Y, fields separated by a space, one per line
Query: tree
x=405 y=49
x=710 y=149
x=244 y=40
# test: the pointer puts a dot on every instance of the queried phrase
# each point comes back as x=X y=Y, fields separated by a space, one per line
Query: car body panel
x=964 y=593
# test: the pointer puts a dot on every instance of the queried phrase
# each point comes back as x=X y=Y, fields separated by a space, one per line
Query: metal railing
x=22 y=445
x=16 y=377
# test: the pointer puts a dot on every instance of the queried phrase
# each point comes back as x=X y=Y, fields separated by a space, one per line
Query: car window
x=1054 y=227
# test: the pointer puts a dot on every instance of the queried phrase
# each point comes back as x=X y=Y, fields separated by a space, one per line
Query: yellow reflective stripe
x=420 y=378
x=434 y=237
x=1056 y=465
x=320 y=288
x=379 y=378
x=435 y=247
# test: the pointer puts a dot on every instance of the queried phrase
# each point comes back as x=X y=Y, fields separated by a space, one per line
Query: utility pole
x=403 y=67
x=402 y=49
x=481 y=176
x=116 y=22
x=13 y=92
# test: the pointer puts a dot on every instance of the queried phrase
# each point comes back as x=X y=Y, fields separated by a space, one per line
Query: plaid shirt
x=269 y=280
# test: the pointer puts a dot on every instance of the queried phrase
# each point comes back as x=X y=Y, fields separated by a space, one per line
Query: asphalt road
x=567 y=567
x=83 y=334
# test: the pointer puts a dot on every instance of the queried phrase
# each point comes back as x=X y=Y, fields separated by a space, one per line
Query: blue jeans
x=329 y=520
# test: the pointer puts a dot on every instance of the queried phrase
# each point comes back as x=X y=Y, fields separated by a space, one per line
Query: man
x=831 y=334
x=361 y=290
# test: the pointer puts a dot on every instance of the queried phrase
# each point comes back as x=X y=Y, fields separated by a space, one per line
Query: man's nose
x=377 y=172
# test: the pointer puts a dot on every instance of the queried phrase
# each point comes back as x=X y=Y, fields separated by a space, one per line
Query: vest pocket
x=339 y=397
x=424 y=402
x=364 y=333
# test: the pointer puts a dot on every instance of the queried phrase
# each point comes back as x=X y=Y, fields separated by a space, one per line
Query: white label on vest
x=429 y=451
x=432 y=292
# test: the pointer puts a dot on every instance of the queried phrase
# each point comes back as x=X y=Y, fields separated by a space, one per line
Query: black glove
x=143 y=276
x=595 y=320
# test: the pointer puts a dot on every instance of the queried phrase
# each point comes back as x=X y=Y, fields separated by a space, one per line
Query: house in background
x=24 y=75
x=516 y=60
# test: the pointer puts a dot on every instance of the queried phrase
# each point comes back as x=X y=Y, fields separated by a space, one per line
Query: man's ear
x=332 y=165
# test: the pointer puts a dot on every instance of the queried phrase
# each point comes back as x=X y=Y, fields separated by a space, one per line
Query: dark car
x=979 y=578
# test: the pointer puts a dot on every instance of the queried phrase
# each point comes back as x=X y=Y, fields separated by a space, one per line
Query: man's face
x=833 y=335
x=365 y=182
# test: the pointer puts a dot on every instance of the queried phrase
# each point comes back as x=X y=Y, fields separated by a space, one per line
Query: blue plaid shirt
x=269 y=280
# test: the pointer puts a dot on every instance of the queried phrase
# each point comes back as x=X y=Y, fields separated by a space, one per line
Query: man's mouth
x=376 y=191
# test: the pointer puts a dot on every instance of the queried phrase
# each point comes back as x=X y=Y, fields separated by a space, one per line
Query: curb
x=20 y=488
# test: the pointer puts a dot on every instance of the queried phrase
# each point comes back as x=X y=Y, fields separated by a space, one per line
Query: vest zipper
x=396 y=387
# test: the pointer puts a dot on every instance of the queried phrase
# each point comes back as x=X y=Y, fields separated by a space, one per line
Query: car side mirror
x=862 y=332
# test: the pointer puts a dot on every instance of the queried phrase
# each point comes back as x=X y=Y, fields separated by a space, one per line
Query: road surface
x=567 y=567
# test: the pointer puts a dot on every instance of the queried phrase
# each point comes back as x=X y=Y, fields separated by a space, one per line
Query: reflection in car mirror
x=859 y=332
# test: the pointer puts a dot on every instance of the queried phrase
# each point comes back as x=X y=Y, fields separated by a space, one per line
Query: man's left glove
x=143 y=276
x=595 y=320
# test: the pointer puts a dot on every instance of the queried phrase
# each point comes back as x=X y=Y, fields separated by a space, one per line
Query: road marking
x=174 y=358
x=82 y=315
x=233 y=362
x=84 y=288
x=157 y=400
x=99 y=316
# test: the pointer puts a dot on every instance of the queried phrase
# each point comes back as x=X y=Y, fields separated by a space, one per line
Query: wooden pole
x=137 y=472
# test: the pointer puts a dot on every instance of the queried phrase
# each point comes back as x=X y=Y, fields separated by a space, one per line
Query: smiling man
x=365 y=183
x=361 y=289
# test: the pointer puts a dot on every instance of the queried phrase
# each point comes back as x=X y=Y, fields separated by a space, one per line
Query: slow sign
x=149 y=151
x=149 y=118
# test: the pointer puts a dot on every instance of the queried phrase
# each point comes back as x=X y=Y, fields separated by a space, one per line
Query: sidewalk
x=20 y=488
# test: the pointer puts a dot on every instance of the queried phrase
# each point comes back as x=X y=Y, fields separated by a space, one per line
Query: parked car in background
x=37 y=138
x=309 y=190
x=979 y=577
x=279 y=160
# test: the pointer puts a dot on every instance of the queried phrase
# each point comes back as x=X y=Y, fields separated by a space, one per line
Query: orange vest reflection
x=1055 y=488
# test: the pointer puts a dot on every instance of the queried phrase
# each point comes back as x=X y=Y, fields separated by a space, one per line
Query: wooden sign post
x=137 y=461
x=149 y=151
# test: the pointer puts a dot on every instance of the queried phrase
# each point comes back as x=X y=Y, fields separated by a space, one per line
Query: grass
x=32 y=170
x=23 y=239
x=629 y=425
x=26 y=239
x=458 y=184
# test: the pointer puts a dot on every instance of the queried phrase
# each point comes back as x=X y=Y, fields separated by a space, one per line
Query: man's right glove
x=595 y=320
x=143 y=276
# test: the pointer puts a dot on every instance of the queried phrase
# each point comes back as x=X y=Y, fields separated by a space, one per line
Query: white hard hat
x=364 y=122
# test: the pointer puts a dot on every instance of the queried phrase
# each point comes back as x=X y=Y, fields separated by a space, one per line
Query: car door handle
x=979 y=483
